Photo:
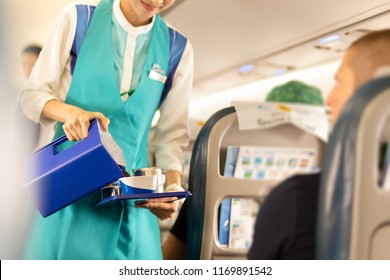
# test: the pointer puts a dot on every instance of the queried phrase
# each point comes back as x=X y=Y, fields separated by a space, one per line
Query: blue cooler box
x=56 y=178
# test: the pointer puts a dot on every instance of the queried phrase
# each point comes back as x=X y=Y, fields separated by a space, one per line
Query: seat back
x=354 y=211
x=209 y=187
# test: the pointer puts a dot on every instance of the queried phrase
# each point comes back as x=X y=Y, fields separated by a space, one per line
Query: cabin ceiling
x=227 y=34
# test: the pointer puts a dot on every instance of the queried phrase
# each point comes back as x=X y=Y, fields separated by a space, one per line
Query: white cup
x=146 y=171
x=141 y=184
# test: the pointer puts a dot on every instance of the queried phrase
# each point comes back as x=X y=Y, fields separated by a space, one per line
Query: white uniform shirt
x=51 y=78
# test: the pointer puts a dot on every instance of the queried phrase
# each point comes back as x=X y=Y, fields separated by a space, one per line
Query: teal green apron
x=80 y=231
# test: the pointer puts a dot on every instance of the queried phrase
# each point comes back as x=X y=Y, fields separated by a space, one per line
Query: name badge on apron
x=157 y=74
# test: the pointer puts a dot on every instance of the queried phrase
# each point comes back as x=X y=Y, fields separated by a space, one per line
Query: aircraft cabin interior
x=245 y=54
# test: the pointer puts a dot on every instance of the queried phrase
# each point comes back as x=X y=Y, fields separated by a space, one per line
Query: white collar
x=128 y=27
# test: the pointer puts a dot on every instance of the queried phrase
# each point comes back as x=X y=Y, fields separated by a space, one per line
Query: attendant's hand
x=77 y=124
x=166 y=207
x=76 y=120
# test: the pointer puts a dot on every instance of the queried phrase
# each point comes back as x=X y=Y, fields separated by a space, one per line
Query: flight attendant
x=119 y=77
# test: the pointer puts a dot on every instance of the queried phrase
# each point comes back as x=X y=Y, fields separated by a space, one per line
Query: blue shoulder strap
x=84 y=16
x=177 y=43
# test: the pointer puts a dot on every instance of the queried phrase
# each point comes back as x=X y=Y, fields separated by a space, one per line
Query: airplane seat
x=354 y=210
x=210 y=188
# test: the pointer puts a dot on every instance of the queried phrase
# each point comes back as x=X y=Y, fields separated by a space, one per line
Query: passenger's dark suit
x=285 y=226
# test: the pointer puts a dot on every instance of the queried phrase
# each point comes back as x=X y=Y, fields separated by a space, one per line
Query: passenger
x=29 y=57
x=125 y=50
x=27 y=129
x=175 y=245
x=285 y=227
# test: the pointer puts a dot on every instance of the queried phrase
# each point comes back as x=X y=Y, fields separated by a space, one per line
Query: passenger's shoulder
x=305 y=179
x=296 y=183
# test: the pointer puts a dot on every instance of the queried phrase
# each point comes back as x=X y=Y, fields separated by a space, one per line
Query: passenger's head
x=29 y=57
x=362 y=59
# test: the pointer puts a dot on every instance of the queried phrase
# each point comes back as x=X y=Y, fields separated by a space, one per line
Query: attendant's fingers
x=70 y=132
x=162 y=206
x=77 y=131
x=162 y=200
x=163 y=211
x=69 y=136
x=162 y=215
x=84 y=128
x=104 y=121
x=81 y=125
